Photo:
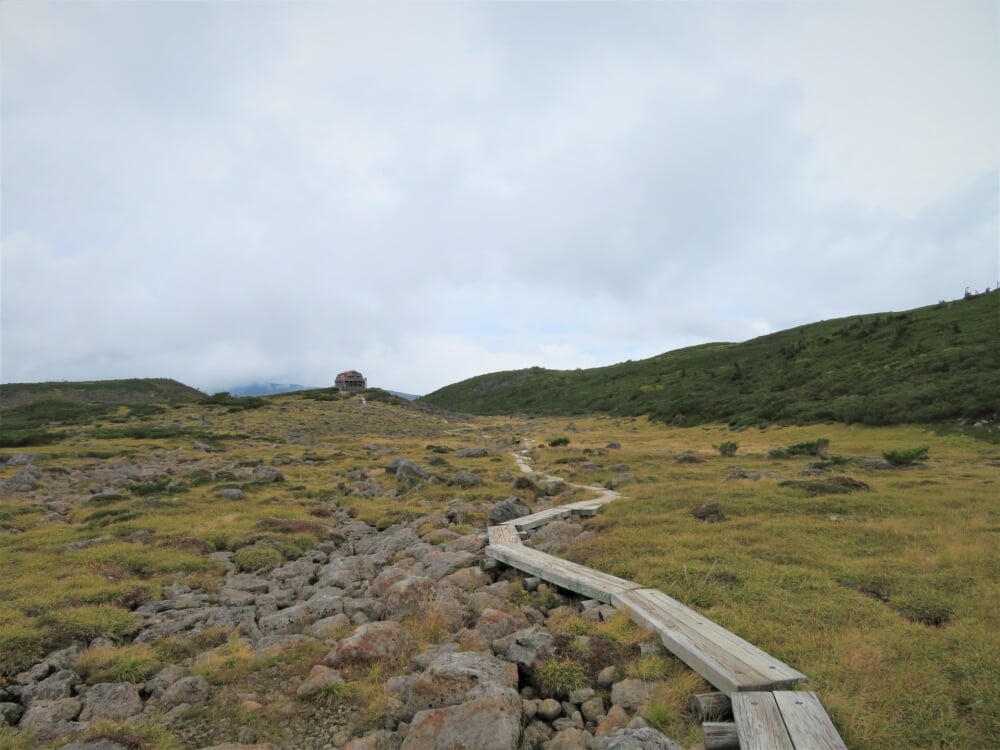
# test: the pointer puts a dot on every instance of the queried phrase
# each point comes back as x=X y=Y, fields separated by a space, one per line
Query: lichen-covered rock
x=192 y=690
x=631 y=694
x=45 y=719
x=507 y=510
x=487 y=722
x=645 y=738
x=10 y=713
x=371 y=643
x=111 y=700
x=319 y=677
x=450 y=677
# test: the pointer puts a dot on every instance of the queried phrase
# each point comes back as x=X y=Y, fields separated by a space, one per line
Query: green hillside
x=931 y=364
x=132 y=391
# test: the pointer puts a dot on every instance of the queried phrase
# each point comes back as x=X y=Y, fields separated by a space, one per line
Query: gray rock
x=404 y=469
x=111 y=700
x=231 y=493
x=525 y=647
x=451 y=676
x=465 y=479
x=54 y=687
x=158 y=684
x=103 y=744
x=631 y=694
x=536 y=735
x=507 y=510
x=47 y=719
x=10 y=713
x=572 y=738
x=489 y=722
x=637 y=739
x=21 y=459
x=549 y=709
x=319 y=677
x=593 y=709
x=322 y=629
x=267 y=474
x=371 y=643
x=471 y=453
x=26 y=480
x=187 y=690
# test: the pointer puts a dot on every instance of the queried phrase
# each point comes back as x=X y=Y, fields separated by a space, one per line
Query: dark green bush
x=906 y=456
x=559 y=440
x=727 y=448
x=809 y=448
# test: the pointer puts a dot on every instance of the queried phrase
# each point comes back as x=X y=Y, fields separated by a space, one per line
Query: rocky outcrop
x=360 y=595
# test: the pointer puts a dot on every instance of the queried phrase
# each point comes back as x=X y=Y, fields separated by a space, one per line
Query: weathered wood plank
x=807 y=722
x=542 y=517
x=504 y=535
x=775 y=669
x=720 y=735
x=572 y=576
x=729 y=662
x=717 y=665
x=759 y=725
x=710 y=706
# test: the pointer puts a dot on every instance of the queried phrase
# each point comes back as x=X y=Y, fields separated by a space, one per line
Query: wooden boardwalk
x=767 y=717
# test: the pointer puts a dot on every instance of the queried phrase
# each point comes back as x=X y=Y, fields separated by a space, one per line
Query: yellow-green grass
x=835 y=585
x=55 y=590
x=839 y=586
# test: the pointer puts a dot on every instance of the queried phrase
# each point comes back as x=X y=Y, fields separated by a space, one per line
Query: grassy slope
x=786 y=571
x=835 y=585
x=133 y=391
x=931 y=364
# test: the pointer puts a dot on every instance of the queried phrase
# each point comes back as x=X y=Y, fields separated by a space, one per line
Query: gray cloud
x=231 y=192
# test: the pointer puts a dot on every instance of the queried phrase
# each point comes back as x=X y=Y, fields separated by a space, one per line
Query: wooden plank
x=579 y=578
x=751 y=668
x=710 y=706
x=717 y=665
x=807 y=722
x=540 y=518
x=720 y=735
x=759 y=725
x=503 y=534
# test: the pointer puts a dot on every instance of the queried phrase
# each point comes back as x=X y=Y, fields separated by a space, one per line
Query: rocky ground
x=450 y=647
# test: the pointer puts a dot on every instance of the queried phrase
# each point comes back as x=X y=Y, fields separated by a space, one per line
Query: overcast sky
x=230 y=192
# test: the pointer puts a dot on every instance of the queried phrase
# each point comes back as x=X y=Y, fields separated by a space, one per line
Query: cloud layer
x=231 y=192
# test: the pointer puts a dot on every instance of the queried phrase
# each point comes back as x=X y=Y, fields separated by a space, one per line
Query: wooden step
x=783 y=720
x=504 y=535
x=723 y=658
x=579 y=578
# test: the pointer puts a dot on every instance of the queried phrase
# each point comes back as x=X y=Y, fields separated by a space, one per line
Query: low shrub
x=727 y=448
x=809 y=448
x=558 y=677
x=254 y=559
x=558 y=440
x=906 y=456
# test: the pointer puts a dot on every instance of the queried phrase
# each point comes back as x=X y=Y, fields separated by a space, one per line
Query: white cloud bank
x=234 y=192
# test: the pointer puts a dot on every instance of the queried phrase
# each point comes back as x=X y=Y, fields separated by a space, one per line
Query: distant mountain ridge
x=930 y=364
x=131 y=391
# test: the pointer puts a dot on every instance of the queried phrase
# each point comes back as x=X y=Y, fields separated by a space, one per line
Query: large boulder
x=465 y=479
x=450 y=677
x=489 y=721
x=111 y=700
x=507 y=510
x=371 y=643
